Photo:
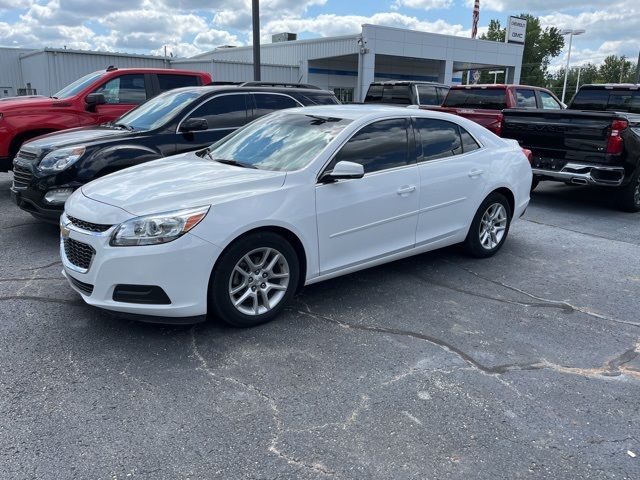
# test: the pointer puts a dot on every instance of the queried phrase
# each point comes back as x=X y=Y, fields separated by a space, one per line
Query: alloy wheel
x=493 y=226
x=259 y=281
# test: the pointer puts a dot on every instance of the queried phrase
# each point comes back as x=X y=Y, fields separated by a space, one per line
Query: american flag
x=476 y=16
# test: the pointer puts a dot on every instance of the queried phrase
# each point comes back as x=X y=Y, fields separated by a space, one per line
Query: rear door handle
x=406 y=189
x=476 y=172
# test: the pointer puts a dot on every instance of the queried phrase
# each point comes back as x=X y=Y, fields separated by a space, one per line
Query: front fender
x=113 y=158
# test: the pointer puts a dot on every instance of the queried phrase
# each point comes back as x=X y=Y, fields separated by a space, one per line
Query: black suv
x=428 y=94
x=48 y=169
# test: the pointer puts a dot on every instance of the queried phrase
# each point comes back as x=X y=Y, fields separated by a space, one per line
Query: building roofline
x=93 y=52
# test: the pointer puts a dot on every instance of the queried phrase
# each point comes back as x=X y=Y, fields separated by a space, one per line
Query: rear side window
x=525 y=98
x=379 y=146
x=320 y=99
x=442 y=93
x=169 y=82
x=439 y=138
x=267 y=103
x=224 y=111
x=374 y=94
x=127 y=89
x=428 y=95
x=481 y=98
x=548 y=102
x=469 y=144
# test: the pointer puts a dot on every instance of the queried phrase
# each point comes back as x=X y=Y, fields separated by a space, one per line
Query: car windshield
x=78 y=85
x=280 y=141
x=157 y=111
x=482 y=98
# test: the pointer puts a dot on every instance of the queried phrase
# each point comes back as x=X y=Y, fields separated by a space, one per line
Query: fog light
x=58 y=195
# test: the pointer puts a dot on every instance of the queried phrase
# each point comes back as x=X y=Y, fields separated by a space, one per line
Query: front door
x=122 y=94
x=371 y=217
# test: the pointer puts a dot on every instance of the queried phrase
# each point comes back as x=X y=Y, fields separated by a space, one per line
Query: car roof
x=410 y=82
x=205 y=89
x=611 y=86
x=366 y=110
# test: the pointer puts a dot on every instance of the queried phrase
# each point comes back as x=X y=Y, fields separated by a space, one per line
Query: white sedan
x=294 y=198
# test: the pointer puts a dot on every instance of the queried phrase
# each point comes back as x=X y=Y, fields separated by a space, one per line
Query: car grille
x=28 y=156
x=88 y=226
x=78 y=253
x=83 y=287
x=21 y=176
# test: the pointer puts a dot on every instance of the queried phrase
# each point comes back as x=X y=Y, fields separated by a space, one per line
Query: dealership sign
x=516 y=30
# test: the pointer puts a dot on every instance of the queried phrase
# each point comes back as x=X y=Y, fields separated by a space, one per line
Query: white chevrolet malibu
x=294 y=198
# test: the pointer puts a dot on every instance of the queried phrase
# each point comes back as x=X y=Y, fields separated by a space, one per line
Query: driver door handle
x=476 y=172
x=406 y=189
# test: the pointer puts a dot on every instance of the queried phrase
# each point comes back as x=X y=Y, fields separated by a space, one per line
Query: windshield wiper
x=235 y=163
x=122 y=125
x=318 y=120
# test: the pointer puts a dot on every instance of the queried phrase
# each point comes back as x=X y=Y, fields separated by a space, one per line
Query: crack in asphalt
x=593 y=235
x=20 y=225
x=57 y=262
x=28 y=279
x=560 y=303
x=612 y=368
x=74 y=303
x=542 y=304
x=277 y=418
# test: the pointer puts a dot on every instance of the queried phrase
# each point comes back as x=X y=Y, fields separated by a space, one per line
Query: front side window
x=525 y=98
x=267 y=103
x=280 y=141
x=439 y=138
x=548 y=102
x=397 y=94
x=428 y=95
x=379 y=146
x=169 y=82
x=125 y=89
x=224 y=111
x=157 y=111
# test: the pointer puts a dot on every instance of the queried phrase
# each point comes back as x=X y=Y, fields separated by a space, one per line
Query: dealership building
x=345 y=64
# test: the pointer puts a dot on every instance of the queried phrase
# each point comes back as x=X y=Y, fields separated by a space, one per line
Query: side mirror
x=343 y=171
x=194 y=125
x=93 y=100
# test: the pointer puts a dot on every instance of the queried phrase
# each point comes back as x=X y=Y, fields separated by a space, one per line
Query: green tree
x=588 y=74
x=540 y=46
x=616 y=69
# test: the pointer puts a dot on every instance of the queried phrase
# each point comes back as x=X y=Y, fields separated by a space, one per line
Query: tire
x=534 y=183
x=227 y=282
x=629 y=195
x=495 y=202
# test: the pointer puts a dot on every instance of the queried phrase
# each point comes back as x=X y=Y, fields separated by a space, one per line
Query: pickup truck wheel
x=629 y=196
x=490 y=227
x=254 y=279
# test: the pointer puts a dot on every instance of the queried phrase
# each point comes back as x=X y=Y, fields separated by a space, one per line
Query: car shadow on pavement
x=574 y=198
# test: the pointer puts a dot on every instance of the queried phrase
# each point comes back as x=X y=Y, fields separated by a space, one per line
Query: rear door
x=169 y=81
x=452 y=179
x=224 y=114
x=368 y=218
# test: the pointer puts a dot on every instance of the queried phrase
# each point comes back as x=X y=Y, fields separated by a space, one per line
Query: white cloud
x=423 y=4
x=519 y=6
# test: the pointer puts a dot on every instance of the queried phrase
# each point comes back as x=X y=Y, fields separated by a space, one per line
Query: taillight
x=615 y=143
x=496 y=127
x=528 y=154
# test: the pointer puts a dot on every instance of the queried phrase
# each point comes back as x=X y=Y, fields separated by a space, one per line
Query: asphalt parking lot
x=525 y=365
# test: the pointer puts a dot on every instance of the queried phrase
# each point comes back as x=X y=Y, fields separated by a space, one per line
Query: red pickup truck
x=96 y=98
x=484 y=103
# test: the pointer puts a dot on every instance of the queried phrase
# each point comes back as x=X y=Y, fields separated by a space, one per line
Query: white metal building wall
x=239 y=71
x=10 y=72
x=50 y=70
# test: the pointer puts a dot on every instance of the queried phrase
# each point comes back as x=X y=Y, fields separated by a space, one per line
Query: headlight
x=158 y=228
x=58 y=160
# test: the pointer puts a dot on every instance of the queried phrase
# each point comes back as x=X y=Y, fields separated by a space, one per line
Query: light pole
x=255 y=14
x=571 y=33
x=578 y=82
x=495 y=75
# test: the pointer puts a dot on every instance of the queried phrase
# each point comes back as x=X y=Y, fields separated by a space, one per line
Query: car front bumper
x=181 y=269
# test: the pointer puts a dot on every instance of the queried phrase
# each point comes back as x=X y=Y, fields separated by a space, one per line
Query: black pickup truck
x=595 y=141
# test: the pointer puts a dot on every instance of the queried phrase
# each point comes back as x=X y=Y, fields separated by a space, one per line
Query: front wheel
x=254 y=279
x=490 y=227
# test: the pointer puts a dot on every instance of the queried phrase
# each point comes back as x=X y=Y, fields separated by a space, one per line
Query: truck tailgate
x=560 y=134
x=489 y=119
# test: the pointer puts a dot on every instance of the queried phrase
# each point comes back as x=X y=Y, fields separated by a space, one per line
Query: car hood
x=181 y=181
x=76 y=136
x=19 y=104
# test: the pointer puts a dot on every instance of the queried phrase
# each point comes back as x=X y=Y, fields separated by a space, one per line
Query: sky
x=189 y=27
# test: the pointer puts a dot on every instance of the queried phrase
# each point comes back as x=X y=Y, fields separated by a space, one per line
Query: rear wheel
x=490 y=226
x=629 y=195
x=254 y=279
